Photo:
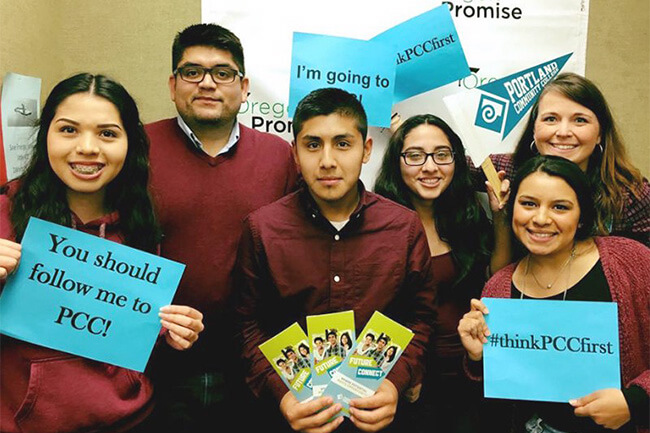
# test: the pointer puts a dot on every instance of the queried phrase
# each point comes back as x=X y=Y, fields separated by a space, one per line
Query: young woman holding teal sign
x=552 y=214
x=89 y=171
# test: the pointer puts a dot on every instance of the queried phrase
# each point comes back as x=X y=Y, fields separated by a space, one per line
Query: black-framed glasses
x=418 y=157
x=196 y=74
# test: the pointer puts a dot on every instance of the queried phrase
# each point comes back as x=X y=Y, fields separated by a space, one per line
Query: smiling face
x=546 y=214
x=291 y=355
x=426 y=182
x=86 y=144
x=207 y=102
x=332 y=339
x=565 y=128
x=330 y=151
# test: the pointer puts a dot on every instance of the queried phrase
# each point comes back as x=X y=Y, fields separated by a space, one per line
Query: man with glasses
x=208 y=172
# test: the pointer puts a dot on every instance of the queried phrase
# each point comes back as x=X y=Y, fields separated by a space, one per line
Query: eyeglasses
x=417 y=157
x=196 y=74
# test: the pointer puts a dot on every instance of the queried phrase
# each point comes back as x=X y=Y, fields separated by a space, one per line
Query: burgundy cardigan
x=626 y=264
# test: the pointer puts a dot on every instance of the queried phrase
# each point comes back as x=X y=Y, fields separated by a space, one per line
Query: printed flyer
x=378 y=348
x=332 y=337
x=286 y=353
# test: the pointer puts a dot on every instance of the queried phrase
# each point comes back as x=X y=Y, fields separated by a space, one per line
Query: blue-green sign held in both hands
x=87 y=296
x=549 y=350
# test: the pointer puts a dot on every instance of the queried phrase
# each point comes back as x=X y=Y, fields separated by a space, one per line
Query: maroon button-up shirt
x=294 y=263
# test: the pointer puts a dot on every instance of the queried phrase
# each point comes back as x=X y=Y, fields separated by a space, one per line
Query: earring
x=601 y=148
x=533 y=148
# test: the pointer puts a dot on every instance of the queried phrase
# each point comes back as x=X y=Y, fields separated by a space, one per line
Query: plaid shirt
x=299 y=364
x=634 y=222
x=336 y=350
x=377 y=355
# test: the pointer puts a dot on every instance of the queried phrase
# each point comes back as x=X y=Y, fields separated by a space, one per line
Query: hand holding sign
x=9 y=257
x=499 y=193
x=607 y=407
x=91 y=297
x=183 y=325
x=473 y=330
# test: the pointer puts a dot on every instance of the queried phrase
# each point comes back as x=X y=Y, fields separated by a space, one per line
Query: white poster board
x=499 y=37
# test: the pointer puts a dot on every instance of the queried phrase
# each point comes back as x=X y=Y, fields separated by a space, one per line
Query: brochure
x=332 y=337
x=378 y=348
x=285 y=353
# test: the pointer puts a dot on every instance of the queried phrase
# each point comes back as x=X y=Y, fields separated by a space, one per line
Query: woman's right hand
x=9 y=257
x=473 y=330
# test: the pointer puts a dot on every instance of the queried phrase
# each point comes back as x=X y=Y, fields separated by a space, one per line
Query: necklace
x=549 y=286
x=568 y=277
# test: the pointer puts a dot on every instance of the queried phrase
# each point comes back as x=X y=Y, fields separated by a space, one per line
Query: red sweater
x=201 y=202
x=44 y=390
x=626 y=264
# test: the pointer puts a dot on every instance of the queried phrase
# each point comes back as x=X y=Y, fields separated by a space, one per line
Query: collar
x=98 y=225
x=232 y=140
x=313 y=212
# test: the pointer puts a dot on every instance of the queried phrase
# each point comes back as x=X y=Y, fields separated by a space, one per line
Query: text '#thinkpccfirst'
x=559 y=343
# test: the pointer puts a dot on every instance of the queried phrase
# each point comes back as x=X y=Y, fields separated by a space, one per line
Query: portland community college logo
x=506 y=101
x=491 y=113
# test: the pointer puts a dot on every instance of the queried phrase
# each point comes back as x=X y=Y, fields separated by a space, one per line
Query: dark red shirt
x=294 y=263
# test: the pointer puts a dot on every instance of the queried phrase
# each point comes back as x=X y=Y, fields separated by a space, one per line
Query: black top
x=592 y=287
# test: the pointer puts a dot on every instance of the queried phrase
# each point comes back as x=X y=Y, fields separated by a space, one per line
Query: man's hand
x=310 y=417
x=377 y=411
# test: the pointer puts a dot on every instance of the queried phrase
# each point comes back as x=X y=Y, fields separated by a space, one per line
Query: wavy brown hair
x=610 y=172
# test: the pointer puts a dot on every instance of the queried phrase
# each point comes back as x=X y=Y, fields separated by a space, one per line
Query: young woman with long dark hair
x=89 y=171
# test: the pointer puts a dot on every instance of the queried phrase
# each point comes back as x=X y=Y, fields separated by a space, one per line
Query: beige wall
x=618 y=60
x=54 y=39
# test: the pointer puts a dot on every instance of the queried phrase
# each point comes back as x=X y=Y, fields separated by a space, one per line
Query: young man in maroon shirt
x=333 y=246
x=208 y=172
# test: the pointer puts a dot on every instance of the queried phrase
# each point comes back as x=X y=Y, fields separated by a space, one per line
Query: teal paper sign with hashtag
x=549 y=350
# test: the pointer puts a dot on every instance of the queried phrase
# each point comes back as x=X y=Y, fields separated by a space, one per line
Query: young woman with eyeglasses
x=425 y=169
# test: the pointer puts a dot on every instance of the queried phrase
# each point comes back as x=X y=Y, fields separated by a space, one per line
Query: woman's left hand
x=183 y=325
x=607 y=407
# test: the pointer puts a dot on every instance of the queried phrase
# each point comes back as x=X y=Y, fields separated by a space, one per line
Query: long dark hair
x=610 y=172
x=42 y=194
x=459 y=217
x=571 y=173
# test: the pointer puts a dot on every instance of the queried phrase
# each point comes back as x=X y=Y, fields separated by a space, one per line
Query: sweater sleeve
x=636 y=215
x=251 y=281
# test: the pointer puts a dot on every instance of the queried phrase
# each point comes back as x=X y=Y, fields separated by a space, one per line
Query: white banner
x=499 y=37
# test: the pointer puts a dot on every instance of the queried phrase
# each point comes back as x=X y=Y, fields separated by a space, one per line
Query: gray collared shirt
x=232 y=140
